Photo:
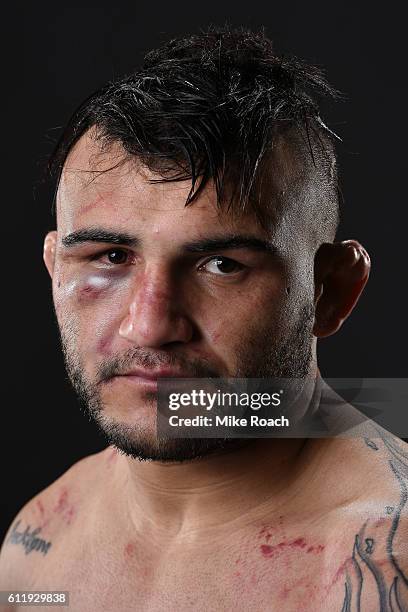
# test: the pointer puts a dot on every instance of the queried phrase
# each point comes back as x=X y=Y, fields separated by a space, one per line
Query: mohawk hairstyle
x=208 y=107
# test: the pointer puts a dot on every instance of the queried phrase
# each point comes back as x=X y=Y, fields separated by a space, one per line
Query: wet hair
x=211 y=107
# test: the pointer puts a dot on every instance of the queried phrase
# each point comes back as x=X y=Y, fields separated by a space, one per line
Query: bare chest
x=262 y=572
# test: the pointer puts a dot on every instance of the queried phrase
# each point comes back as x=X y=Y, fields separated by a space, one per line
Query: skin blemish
x=129 y=550
x=112 y=456
x=99 y=201
x=40 y=507
x=69 y=515
x=299 y=542
x=268 y=550
x=43 y=520
x=62 y=502
x=339 y=573
x=285 y=592
x=265 y=533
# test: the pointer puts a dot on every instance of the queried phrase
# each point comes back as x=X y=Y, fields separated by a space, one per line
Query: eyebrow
x=234 y=241
x=99 y=235
x=206 y=245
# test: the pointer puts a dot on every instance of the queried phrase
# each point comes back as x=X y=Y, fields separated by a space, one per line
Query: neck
x=232 y=486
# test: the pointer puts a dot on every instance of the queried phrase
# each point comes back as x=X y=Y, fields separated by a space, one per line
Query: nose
x=154 y=315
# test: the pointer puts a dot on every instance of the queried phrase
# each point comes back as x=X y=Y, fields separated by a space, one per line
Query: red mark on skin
x=100 y=201
x=268 y=551
x=104 y=345
x=41 y=509
x=299 y=542
x=236 y=574
x=315 y=549
x=285 y=592
x=130 y=550
x=92 y=286
x=89 y=292
x=380 y=522
x=62 y=502
x=238 y=560
x=69 y=515
x=339 y=573
x=266 y=533
x=112 y=456
x=63 y=507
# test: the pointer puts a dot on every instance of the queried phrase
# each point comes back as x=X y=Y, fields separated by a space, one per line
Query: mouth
x=149 y=378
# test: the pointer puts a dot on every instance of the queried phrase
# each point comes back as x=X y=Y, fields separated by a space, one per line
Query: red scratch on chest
x=285 y=592
x=130 y=550
x=268 y=550
x=340 y=573
x=40 y=507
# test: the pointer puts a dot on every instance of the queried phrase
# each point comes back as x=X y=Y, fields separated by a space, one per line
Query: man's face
x=144 y=284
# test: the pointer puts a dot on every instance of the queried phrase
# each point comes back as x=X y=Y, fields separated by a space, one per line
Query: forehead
x=107 y=185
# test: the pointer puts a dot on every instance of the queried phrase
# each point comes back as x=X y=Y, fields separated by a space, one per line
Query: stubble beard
x=261 y=357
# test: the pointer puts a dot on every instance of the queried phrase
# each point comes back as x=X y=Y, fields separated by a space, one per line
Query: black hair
x=209 y=107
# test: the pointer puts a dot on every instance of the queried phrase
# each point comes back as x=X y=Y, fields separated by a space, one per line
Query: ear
x=50 y=243
x=341 y=272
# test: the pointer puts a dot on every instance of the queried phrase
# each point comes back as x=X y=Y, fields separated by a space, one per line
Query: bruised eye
x=221 y=266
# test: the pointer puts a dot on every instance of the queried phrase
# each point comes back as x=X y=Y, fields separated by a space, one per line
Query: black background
x=56 y=55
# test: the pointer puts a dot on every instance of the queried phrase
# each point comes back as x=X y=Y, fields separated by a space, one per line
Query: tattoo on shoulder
x=28 y=538
x=371 y=559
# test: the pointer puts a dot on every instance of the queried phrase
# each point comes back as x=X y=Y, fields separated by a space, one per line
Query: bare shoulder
x=375 y=522
x=41 y=519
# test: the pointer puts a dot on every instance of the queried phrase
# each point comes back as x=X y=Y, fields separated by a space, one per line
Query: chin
x=138 y=439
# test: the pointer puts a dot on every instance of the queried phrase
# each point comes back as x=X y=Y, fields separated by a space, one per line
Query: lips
x=154 y=375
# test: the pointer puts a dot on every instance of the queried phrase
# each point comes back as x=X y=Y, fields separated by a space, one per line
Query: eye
x=221 y=266
x=115 y=256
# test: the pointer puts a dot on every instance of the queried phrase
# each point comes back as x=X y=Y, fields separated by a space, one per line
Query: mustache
x=151 y=360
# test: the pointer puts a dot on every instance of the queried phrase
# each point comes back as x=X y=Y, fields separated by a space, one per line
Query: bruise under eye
x=100 y=283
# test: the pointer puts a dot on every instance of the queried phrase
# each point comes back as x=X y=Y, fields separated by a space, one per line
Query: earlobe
x=50 y=243
x=341 y=273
